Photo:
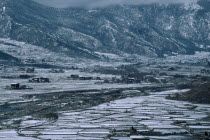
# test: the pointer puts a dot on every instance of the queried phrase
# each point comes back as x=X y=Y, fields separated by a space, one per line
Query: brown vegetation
x=199 y=94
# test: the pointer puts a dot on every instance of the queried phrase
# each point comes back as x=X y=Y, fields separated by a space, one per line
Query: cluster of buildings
x=27 y=75
x=17 y=86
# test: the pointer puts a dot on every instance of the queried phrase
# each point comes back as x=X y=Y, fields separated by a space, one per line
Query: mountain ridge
x=151 y=30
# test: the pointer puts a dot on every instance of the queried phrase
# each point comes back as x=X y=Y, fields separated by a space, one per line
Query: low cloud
x=104 y=3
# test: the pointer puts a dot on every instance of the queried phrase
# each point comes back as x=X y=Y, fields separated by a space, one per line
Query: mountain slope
x=152 y=30
x=5 y=56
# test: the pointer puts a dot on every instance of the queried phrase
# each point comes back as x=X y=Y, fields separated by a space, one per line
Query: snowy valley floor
x=107 y=106
x=153 y=116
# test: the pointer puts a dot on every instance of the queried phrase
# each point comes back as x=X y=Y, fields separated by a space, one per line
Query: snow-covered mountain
x=151 y=30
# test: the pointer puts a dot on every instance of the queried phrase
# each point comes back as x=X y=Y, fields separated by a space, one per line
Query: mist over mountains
x=105 y=3
x=153 y=29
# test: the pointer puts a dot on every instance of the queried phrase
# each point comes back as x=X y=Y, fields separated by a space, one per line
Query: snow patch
x=193 y=6
x=168 y=28
x=4 y=9
x=90 y=11
x=32 y=54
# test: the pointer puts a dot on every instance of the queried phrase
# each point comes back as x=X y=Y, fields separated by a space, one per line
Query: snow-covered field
x=26 y=52
x=152 y=116
x=59 y=82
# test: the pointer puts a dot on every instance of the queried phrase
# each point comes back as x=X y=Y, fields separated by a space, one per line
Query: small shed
x=15 y=86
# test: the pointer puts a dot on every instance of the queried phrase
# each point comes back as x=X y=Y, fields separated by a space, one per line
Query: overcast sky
x=103 y=3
